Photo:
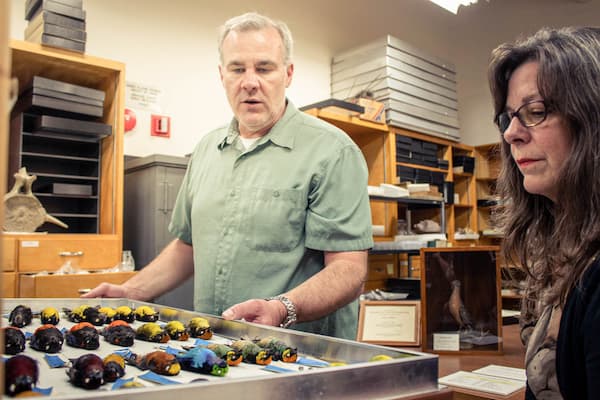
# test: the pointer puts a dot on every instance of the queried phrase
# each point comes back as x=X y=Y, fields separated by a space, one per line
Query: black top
x=578 y=347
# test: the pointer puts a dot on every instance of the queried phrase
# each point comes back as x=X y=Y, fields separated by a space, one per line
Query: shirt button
x=276 y=193
x=232 y=194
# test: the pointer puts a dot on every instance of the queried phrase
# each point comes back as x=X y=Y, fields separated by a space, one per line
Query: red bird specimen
x=21 y=374
x=14 y=340
x=47 y=338
x=119 y=333
x=20 y=316
x=159 y=362
x=84 y=336
x=87 y=372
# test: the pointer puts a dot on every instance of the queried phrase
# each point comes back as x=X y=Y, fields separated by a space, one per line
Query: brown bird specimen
x=457 y=307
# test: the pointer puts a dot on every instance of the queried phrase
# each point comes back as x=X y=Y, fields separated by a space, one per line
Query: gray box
x=71 y=188
x=418 y=89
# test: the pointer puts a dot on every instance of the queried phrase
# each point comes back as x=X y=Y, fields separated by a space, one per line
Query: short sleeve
x=339 y=215
x=181 y=223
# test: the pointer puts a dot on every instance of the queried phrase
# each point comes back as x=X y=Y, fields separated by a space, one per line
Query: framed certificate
x=391 y=323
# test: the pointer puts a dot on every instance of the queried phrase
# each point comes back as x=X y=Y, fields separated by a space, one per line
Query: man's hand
x=106 y=290
x=258 y=311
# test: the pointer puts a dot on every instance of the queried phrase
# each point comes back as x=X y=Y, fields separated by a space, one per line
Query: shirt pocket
x=274 y=219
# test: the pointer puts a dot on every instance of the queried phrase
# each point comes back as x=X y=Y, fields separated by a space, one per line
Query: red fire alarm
x=160 y=125
x=130 y=119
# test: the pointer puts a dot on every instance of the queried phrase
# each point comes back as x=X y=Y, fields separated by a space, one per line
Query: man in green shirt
x=273 y=217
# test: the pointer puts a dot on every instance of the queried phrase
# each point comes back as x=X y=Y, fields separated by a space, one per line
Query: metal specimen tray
x=407 y=374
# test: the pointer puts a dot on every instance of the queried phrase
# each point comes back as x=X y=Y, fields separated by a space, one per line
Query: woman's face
x=540 y=151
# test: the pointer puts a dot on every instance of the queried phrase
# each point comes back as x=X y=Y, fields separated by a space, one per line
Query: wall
x=172 y=45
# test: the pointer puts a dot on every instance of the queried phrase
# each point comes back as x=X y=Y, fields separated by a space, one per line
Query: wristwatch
x=291 y=316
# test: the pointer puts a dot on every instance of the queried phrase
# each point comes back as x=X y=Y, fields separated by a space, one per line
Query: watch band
x=291 y=316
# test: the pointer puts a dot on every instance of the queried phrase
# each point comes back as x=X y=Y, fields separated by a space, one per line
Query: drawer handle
x=71 y=253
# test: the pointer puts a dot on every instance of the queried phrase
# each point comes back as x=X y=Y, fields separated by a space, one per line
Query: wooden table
x=514 y=356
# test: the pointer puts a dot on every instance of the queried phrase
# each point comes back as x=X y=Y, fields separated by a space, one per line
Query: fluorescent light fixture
x=452 y=5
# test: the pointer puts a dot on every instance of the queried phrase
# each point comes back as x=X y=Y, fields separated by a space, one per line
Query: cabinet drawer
x=382 y=267
x=8 y=284
x=66 y=285
x=8 y=254
x=49 y=253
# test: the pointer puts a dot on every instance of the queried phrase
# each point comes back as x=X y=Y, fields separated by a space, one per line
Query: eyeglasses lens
x=529 y=114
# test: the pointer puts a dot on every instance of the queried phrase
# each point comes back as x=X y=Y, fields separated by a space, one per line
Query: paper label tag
x=446 y=341
x=30 y=243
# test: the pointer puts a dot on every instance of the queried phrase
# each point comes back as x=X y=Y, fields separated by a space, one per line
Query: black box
x=448 y=191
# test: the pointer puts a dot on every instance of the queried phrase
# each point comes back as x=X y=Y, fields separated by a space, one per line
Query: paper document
x=484 y=383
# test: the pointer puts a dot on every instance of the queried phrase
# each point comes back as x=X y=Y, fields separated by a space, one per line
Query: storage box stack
x=419 y=90
x=57 y=23
x=464 y=164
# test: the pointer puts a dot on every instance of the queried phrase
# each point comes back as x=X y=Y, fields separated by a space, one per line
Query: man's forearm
x=339 y=283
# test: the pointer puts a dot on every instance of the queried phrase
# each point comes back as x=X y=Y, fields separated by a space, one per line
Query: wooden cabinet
x=89 y=245
x=487 y=170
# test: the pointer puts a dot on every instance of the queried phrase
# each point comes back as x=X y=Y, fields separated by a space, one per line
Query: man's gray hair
x=253 y=21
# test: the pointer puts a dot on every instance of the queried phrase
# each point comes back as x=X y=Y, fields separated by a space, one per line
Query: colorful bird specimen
x=21 y=374
x=124 y=313
x=177 y=331
x=119 y=333
x=109 y=312
x=20 y=316
x=114 y=367
x=158 y=361
x=152 y=332
x=50 y=315
x=47 y=338
x=200 y=328
x=229 y=354
x=146 y=314
x=280 y=350
x=202 y=360
x=86 y=313
x=87 y=371
x=84 y=336
x=14 y=340
x=252 y=353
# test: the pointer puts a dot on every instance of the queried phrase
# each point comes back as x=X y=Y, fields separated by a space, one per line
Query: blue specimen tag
x=156 y=378
x=311 y=362
x=274 y=368
x=54 y=361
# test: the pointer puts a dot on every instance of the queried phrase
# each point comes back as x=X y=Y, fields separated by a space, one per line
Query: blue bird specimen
x=202 y=360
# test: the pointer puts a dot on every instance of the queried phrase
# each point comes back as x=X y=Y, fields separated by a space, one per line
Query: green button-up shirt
x=260 y=219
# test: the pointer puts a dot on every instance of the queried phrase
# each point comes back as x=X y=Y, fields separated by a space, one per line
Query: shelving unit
x=94 y=238
x=487 y=159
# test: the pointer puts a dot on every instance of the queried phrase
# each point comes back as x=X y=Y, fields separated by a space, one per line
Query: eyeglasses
x=529 y=114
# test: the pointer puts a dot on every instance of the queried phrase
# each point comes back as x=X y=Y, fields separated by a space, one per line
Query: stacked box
x=464 y=164
x=418 y=89
x=57 y=23
x=416 y=151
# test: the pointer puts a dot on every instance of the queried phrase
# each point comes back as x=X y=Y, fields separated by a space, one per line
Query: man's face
x=255 y=77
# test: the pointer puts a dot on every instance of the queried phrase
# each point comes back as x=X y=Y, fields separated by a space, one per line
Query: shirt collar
x=278 y=134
